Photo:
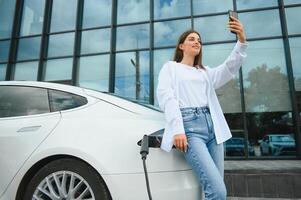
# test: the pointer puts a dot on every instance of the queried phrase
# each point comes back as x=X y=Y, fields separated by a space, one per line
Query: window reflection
x=61 y=44
x=167 y=33
x=235 y=146
x=247 y=4
x=95 y=41
x=212 y=6
x=132 y=75
x=213 y=28
x=271 y=133
x=94 y=72
x=288 y=2
x=23 y=101
x=4 y=50
x=295 y=46
x=29 y=48
x=26 y=71
x=2 y=72
x=63 y=15
x=269 y=23
x=132 y=11
x=133 y=37
x=293 y=16
x=265 y=77
x=33 y=17
x=229 y=94
x=58 y=69
x=7 y=9
x=160 y=58
x=173 y=8
x=268 y=104
x=97 y=13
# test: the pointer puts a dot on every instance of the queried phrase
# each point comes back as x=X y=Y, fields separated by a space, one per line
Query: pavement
x=263 y=179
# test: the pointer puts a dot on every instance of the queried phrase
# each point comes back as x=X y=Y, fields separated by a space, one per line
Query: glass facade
x=81 y=42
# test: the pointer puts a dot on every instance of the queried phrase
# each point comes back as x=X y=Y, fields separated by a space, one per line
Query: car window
x=23 y=101
x=63 y=100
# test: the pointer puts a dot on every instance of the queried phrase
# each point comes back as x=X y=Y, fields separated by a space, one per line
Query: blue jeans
x=205 y=156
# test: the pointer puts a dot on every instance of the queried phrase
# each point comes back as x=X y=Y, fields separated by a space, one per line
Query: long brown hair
x=178 y=55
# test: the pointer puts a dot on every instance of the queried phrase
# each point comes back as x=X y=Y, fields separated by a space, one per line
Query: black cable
x=146 y=179
x=144 y=152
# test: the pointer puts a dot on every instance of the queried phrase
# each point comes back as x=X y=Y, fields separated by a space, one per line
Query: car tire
x=270 y=152
x=56 y=178
x=261 y=151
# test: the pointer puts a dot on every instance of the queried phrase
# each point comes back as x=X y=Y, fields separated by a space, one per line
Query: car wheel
x=261 y=151
x=270 y=152
x=66 y=179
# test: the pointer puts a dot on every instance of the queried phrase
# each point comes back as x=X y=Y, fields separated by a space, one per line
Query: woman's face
x=191 y=45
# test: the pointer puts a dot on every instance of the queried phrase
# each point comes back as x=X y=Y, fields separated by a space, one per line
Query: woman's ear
x=181 y=46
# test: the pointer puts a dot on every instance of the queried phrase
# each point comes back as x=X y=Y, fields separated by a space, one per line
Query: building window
x=97 y=13
x=269 y=23
x=132 y=75
x=293 y=16
x=201 y=7
x=94 y=72
x=33 y=17
x=26 y=71
x=133 y=37
x=58 y=69
x=29 y=48
x=168 y=32
x=169 y=9
x=61 y=45
x=95 y=41
x=7 y=9
x=217 y=25
x=132 y=11
x=60 y=19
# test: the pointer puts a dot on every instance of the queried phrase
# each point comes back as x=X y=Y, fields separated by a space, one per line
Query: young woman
x=195 y=121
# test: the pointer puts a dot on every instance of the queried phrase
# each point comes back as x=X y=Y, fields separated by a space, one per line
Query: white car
x=65 y=142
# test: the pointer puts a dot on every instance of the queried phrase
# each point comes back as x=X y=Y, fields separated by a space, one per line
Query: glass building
x=119 y=46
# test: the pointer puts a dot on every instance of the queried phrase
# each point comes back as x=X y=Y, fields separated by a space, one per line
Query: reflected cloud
x=132 y=11
x=94 y=72
x=171 y=8
x=27 y=71
x=95 y=41
x=248 y=4
x=61 y=44
x=58 y=69
x=167 y=33
x=132 y=37
x=261 y=23
x=125 y=81
x=97 y=13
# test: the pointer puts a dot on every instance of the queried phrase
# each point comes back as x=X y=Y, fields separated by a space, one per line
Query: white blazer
x=168 y=95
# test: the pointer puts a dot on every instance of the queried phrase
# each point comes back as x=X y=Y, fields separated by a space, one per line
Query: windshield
x=282 y=138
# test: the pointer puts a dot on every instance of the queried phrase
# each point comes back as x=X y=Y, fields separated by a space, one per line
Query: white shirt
x=192 y=86
x=171 y=94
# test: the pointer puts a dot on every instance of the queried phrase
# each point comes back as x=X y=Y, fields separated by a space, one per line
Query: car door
x=25 y=121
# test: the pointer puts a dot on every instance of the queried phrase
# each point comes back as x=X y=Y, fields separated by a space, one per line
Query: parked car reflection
x=236 y=147
x=277 y=145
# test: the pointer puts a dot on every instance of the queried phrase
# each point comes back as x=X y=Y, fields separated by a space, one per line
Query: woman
x=195 y=121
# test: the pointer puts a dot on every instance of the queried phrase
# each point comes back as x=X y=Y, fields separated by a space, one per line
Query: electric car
x=65 y=142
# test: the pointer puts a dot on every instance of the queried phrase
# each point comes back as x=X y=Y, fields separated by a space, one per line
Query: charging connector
x=144 y=152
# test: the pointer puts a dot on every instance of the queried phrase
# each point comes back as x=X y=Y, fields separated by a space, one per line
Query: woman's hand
x=236 y=26
x=180 y=141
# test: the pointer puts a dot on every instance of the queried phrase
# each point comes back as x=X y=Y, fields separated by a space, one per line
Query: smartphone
x=232 y=14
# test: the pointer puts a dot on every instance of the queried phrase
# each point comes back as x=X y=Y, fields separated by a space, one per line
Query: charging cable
x=144 y=153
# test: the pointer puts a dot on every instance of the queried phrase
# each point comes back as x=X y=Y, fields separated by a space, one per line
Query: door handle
x=29 y=129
